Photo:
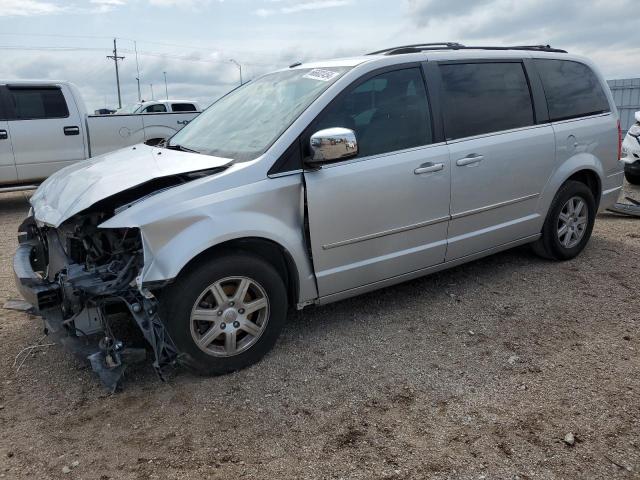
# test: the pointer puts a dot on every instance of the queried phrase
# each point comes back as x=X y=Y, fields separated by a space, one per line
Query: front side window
x=480 y=98
x=158 y=108
x=183 y=107
x=571 y=88
x=38 y=103
x=245 y=123
x=388 y=112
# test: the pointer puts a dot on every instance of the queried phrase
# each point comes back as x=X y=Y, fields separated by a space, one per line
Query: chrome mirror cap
x=333 y=144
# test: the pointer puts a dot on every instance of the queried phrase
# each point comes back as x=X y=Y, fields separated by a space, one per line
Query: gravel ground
x=477 y=372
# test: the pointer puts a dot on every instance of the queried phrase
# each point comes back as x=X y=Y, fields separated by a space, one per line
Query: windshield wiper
x=181 y=148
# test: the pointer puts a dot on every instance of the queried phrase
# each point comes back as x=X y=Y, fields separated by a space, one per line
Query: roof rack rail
x=418 y=47
x=421 y=47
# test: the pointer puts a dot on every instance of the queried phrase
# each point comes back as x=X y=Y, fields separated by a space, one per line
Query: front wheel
x=225 y=314
x=569 y=223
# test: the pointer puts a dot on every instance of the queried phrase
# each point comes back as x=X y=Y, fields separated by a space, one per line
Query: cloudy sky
x=194 y=40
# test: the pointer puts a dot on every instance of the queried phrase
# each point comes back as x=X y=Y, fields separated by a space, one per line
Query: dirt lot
x=478 y=372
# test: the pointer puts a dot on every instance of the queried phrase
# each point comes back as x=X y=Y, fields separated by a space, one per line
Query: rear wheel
x=226 y=314
x=569 y=223
x=632 y=178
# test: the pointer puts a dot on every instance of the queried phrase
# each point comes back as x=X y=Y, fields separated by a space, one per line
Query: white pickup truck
x=44 y=127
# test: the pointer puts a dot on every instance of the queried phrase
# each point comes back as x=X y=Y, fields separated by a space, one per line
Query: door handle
x=469 y=160
x=428 y=168
x=4 y=135
x=71 y=130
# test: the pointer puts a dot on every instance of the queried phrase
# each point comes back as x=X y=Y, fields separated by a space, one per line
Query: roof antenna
x=297 y=64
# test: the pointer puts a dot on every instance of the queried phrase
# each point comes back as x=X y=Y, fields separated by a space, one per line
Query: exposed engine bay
x=83 y=280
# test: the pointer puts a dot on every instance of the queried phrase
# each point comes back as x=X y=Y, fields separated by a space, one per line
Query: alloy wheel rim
x=572 y=222
x=229 y=316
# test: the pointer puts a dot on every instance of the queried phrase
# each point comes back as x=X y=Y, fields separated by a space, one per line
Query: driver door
x=385 y=212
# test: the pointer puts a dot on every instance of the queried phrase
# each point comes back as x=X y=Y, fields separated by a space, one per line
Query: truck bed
x=111 y=132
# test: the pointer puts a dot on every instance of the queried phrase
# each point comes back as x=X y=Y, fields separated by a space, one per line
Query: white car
x=159 y=106
x=631 y=153
x=44 y=126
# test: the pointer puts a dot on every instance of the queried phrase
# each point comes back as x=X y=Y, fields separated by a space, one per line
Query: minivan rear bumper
x=611 y=188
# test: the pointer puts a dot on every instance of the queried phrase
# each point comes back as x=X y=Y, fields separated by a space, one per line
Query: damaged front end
x=82 y=280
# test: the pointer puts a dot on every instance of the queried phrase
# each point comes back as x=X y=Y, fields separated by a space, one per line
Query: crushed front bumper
x=85 y=330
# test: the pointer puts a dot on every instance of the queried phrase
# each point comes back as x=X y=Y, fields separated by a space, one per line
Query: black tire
x=549 y=245
x=178 y=300
x=632 y=178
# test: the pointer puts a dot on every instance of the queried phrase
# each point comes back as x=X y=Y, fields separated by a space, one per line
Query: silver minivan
x=316 y=183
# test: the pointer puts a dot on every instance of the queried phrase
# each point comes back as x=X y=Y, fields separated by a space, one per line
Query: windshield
x=133 y=108
x=244 y=124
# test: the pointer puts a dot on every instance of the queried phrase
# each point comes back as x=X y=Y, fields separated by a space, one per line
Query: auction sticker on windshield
x=321 y=74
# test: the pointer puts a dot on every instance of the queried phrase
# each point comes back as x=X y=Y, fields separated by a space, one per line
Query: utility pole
x=239 y=66
x=115 y=58
x=152 y=97
x=135 y=47
x=166 y=89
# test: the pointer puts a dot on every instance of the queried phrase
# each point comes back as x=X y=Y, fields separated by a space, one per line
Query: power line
x=188 y=58
x=170 y=56
x=10 y=34
x=150 y=42
x=52 y=49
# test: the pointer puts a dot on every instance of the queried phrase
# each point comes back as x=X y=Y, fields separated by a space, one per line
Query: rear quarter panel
x=589 y=143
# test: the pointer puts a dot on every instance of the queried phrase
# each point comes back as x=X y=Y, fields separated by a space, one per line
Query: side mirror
x=333 y=144
x=638 y=117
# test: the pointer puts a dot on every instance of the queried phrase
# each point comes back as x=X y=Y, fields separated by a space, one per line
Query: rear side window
x=388 y=112
x=3 y=111
x=158 y=108
x=38 y=103
x=183 y=107
x=571 y=88
x=482 y=98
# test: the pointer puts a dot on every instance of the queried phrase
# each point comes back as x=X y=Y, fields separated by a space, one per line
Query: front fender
x=183 y=222
x=168 y=252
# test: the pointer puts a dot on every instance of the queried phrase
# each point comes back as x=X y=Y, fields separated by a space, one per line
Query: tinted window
x=183 y=107
x=37 y=103
x=485 y=97
x=571 y=88
x=388 y=112
x=3 y=111
x=158 y=108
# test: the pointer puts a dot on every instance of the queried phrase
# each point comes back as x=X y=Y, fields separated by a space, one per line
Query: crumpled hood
x=78 y=186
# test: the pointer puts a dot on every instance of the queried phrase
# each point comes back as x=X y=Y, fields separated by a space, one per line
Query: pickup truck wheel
x=632 y=178
x=226 y=314
x=569 y=223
